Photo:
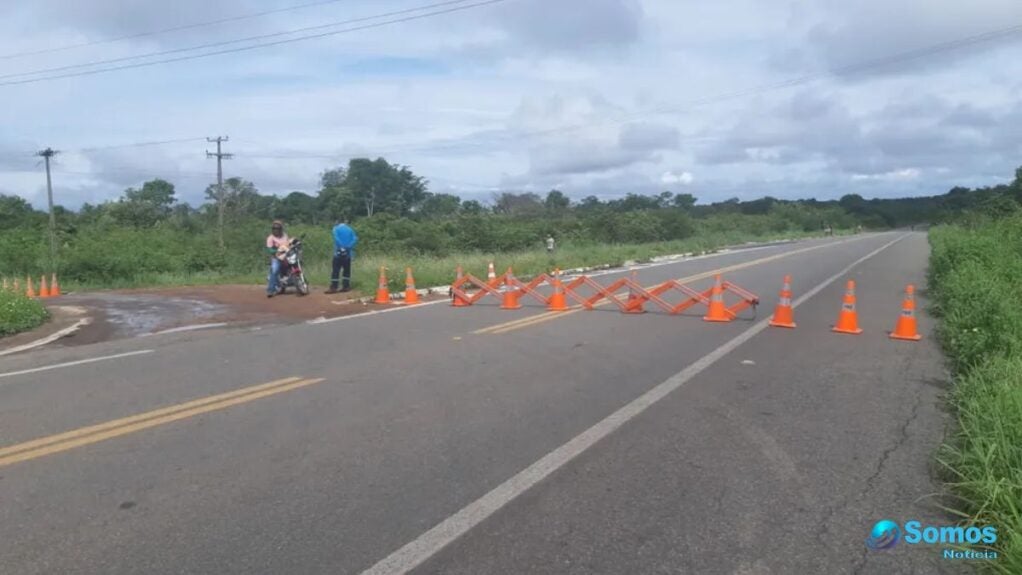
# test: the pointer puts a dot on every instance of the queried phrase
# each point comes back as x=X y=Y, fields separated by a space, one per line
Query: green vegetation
x=147 y=237
x=18 y=313
x=976 y=284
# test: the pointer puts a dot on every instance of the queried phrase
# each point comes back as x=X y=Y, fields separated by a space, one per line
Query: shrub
x=18 y=313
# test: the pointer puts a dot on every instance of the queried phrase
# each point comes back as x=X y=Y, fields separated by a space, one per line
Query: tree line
x=149 y=229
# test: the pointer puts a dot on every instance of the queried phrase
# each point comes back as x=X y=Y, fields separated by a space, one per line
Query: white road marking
x=431 y=542
x=397 y=307
x=74 y=363
x=187 y=328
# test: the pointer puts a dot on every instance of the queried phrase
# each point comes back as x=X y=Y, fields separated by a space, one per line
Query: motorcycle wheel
x=281 y=286
x=301 y=285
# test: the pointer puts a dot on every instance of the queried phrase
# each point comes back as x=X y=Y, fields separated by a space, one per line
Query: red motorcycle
x=291 y=274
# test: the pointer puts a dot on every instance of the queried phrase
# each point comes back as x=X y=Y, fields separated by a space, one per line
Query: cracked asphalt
x=776 y=458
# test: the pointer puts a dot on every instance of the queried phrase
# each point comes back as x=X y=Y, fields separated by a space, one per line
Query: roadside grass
x=19 y=313
x=976 y=281
x=433 y=270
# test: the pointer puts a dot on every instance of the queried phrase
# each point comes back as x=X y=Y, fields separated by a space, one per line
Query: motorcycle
x=291 y=274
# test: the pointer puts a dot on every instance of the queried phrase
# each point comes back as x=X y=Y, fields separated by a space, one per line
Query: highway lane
x=416 y=417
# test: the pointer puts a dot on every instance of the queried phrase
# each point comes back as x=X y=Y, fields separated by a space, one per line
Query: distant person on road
x=345 y=239
x=550 y=244
x=276 y=242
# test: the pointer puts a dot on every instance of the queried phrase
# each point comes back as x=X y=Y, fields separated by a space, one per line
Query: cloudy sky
x=736 y=98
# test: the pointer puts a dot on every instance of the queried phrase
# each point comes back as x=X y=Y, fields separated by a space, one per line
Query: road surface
x=476 y=440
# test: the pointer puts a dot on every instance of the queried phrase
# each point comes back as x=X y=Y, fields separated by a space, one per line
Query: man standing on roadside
x=344 y=251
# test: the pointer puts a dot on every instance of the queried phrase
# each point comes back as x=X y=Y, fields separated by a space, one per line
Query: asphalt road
x=478 y=440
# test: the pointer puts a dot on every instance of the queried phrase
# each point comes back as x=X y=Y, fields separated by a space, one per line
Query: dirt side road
x=121 y=314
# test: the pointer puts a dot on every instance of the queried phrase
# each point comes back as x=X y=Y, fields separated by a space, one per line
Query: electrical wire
x=452 y=6
x=181 y=28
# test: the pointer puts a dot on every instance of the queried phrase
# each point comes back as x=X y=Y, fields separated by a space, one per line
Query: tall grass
x=976 y=281
x=435 y=270
x=18 y=313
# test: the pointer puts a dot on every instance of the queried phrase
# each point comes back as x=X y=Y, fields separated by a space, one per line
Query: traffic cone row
x=46 y=290
x=848 y=317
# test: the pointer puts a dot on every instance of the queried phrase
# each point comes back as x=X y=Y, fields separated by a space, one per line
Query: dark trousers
x=341 y=262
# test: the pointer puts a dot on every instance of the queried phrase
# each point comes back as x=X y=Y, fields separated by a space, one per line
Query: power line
x=137 y=145
x=455 y=8
x=181 y=28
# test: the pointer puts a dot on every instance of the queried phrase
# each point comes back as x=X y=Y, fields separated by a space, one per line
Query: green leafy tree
x=511 y=204
x=556 y=202
x=241 y=200
x=15 y=212
x=440 y=206
x=145 y=207
x=684 y=201
x=472 y=207
x=379 y=186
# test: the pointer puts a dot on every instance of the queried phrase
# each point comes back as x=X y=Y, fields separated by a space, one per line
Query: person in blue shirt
x=345 y=239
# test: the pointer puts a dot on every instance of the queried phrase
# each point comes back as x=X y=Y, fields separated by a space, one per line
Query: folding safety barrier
x=509 y=289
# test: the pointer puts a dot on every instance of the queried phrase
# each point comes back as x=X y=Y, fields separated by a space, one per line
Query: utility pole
x=46 y=155
x=220 y=157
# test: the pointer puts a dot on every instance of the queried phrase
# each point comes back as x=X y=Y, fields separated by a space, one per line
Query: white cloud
x=684 y=178
x=895 y=175
x=590 y=96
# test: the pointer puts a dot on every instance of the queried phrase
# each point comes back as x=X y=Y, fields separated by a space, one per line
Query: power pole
x=220 y=157
x=46 y=155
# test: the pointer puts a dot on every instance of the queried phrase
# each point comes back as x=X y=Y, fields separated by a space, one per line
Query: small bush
x=18 y=313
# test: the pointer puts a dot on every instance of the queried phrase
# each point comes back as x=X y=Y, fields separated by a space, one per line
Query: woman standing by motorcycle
x=274 y=242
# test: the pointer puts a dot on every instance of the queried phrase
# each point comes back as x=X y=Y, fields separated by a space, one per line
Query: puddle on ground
x=134 y=315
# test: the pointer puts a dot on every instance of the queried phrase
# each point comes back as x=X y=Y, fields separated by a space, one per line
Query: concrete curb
x=50 y=338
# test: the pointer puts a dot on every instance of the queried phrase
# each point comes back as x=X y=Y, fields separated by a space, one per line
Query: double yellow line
x=118 y=427
x=552 y=315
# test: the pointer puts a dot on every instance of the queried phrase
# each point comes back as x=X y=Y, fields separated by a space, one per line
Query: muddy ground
x=118 y=314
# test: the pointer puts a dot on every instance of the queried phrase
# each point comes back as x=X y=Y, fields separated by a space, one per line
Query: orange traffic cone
x=29 y=292
x=382 y=293
x=784 y=316
x=511 y=295
x=906 y=326
x=635 y=302
x=848 y=320
x=54 y=287
x=457 y=300
x=557 y=301
x=16 y=288
x=411 y=296
x=491 y=276
x=718 y=311
x=44 y=292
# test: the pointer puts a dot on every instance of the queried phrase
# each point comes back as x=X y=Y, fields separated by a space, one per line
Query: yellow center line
x=549 y=316
x=118 y=427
